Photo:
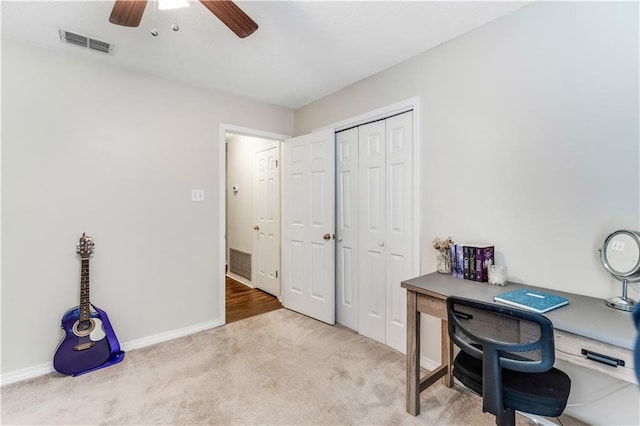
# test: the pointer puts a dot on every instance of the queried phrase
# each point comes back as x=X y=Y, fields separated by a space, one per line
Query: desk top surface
x=585 y=316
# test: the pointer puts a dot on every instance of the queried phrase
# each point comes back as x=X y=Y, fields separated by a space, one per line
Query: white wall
x=89 y=148
x=530 y=140
x=530 y=137
x=241 y=152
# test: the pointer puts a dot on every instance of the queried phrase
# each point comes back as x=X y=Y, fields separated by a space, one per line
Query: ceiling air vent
x=85 y=41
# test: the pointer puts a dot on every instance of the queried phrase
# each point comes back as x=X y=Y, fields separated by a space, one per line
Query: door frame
x=225 y=128
x=382 y=113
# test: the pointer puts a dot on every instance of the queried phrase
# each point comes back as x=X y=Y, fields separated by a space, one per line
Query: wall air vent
x=85 y=41
x=240 y=263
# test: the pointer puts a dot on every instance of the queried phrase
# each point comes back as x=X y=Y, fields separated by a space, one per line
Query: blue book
x=531 y=300
x=459 y=261
x=454 y=260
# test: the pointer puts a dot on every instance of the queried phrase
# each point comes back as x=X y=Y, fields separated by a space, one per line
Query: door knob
x=381 y=243
x=326 y=237
x=256 y=227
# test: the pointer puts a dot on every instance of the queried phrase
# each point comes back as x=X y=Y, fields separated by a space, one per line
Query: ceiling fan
x=128 y=13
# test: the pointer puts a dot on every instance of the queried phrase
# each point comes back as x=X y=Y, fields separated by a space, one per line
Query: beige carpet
x=275 y=368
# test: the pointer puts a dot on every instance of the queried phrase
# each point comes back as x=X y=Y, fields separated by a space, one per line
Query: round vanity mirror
x=620 y=256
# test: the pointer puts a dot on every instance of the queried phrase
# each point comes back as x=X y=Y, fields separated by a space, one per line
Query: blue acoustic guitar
x=89 y=343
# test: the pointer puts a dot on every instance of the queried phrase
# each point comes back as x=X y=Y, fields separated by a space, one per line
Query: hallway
x=244 y=302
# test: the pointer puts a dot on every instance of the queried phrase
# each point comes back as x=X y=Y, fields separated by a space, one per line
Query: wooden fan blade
x=127 y=13
x=232 y=16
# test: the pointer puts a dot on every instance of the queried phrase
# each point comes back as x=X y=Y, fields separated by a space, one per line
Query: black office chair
x=507 y=357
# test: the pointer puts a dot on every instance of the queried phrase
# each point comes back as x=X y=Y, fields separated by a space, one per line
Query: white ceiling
x=302 y=50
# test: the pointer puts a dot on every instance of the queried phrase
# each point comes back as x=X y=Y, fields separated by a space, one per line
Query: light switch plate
x=197 y=195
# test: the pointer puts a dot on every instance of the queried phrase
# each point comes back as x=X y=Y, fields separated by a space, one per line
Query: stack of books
x=471 y=261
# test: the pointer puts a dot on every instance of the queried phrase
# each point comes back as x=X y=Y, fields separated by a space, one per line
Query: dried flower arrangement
x=442 y=245
x=443 y=262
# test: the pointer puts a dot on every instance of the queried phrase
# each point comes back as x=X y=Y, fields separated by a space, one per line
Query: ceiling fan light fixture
x=172 y=4
x=128 y=13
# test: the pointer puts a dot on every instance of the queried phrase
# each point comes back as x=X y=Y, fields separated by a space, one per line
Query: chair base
x=544 y=394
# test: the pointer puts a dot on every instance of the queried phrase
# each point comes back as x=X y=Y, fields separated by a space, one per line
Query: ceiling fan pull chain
x=175 y=26
x=154 y=29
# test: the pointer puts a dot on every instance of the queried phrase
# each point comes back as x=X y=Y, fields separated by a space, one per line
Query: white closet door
x=372 y=231
x=347 y=228
x=399 y=225
x=308 y=252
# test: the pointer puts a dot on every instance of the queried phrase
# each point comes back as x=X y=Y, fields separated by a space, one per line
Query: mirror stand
x=620 y=256
x=622 y=303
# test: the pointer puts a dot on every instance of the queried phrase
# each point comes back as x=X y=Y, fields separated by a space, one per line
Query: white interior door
x=267 y=220
x=308 y=213
x=347 y=228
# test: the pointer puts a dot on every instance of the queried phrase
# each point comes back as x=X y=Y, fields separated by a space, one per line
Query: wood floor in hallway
x=244 y=302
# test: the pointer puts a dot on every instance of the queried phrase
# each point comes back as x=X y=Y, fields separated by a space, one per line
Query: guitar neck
x=84 y=290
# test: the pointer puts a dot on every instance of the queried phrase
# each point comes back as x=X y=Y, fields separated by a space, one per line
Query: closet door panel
x=347 y=228
x=372 y=231
x=396 y=300
x=399 y=224
x=372 y=298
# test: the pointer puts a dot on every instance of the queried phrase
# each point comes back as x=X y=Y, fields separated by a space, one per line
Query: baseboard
x=240 y=279
x=169 y=335
x=46 y=368
x=26 y=373
x=428 y=363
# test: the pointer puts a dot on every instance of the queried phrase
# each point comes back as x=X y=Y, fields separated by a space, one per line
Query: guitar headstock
x=85 y=246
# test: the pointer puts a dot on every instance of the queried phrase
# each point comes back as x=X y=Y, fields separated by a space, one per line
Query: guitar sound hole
x=83 y=328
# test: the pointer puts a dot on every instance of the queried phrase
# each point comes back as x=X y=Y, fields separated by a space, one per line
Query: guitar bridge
x=83 y=346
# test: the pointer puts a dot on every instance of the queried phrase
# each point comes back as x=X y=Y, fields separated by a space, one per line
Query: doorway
x=249 y=194
x=318 y=273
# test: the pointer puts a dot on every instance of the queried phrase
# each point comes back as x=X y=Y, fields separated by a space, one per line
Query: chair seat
x=545 y=394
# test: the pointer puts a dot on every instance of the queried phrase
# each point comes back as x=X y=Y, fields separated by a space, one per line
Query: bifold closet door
x=347 y=228
x=372 y=231
x=400 y=231
x=385 y=227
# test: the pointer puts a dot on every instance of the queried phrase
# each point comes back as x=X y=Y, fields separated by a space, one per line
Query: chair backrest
x=502 y=337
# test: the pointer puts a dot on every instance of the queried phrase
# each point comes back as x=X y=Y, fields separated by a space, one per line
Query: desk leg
x=447 y=354
x=413 y=354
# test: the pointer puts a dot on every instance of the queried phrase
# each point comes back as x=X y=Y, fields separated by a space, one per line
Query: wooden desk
x=585 y=324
